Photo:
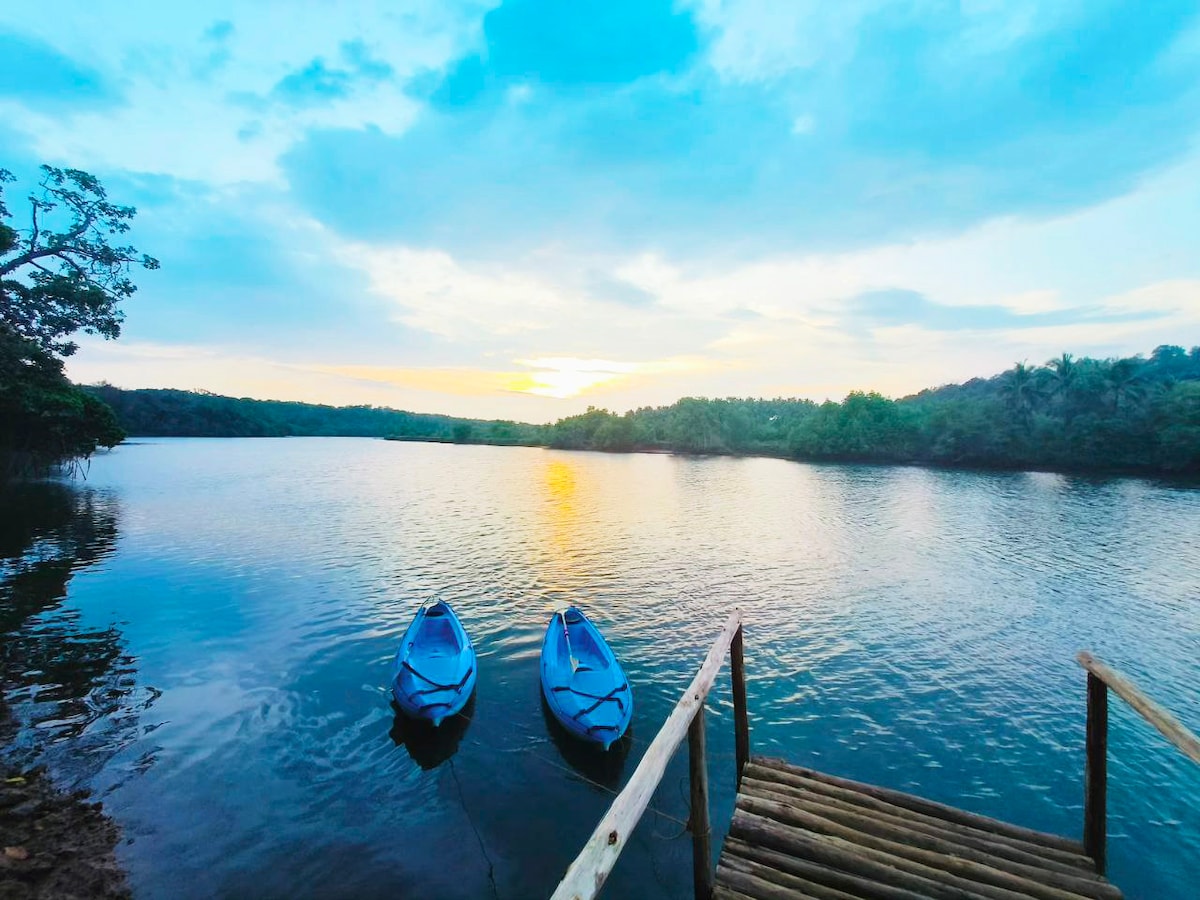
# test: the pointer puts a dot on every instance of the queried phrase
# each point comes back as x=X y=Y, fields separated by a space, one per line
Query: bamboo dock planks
x=801 y=833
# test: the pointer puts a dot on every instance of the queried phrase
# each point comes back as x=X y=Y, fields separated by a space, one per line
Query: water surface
x=202 y=632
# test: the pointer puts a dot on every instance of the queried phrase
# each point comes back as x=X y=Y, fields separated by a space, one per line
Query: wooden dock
x=801 y=833
x=798 y=833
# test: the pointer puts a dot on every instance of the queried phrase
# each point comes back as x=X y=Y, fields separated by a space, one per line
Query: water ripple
x=911 y=627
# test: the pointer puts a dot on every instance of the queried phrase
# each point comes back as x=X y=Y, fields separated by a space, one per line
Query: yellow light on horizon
x=564 y=376
x=557 y=377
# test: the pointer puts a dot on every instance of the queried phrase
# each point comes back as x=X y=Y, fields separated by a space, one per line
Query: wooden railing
x=1095 y=798
x=592 y=866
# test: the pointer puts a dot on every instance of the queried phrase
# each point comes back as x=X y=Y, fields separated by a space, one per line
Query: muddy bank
x=55 y=844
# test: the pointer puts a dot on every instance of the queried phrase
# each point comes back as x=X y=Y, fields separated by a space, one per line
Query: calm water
x=202 y=632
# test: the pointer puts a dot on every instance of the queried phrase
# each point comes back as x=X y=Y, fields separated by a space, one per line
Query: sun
x=564 y=376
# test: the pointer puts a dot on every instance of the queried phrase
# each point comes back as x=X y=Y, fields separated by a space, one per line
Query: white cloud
x=804 y=124
x=718 y=326
x=435 y=293
x=763 y=39
x=182 y=116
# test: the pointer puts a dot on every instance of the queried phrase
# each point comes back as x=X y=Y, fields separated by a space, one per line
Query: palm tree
x=1064 y=376
x=1066 y=371
x=1020 y=390
x=1124 y=378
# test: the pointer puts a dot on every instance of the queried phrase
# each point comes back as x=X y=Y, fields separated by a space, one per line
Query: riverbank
x=1084 y=471
x=56 y=844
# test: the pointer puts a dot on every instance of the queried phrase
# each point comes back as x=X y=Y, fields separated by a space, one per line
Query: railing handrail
x=1170 y=727
x=595 y=861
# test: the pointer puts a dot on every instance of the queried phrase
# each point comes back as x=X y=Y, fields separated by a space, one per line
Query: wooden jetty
x=799 y=833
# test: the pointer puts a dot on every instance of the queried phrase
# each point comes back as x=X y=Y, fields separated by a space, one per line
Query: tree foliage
x=62 y=274
x=44 y=419
x=65 y=272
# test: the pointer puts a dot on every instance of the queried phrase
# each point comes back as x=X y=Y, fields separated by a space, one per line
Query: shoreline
x=1183 y=477
x=1082 y=471
x=55 y=843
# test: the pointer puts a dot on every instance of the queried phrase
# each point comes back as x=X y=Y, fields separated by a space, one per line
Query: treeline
x=1133 y=414
x=173 y=413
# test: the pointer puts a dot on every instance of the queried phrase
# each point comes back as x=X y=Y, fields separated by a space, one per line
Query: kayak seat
x=585 y=650
x=437 y=637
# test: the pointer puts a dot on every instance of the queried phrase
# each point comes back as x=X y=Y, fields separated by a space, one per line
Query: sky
x=520 y=210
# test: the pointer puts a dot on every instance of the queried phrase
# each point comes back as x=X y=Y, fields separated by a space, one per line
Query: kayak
x=584 y=685
x=434 y=672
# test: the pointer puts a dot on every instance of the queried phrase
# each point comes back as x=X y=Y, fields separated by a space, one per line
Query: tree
x=1020 y=391
x=1178 y=412
x=63 y=274
x=616 y=434
x=1065 y=370
x=1125 y=381
x=44 y=419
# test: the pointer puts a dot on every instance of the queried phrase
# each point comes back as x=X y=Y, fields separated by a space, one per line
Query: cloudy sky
x=518 y=210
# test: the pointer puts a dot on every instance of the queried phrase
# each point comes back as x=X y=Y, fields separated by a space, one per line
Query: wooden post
x=702 y=873
x=741 y=717
x=1095 y=795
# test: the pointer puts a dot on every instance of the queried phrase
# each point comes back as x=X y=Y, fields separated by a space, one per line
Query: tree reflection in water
x=65 y=684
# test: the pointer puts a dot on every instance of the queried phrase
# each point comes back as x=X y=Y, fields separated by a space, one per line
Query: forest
x=1136 y=414
x=1133 y=415
x=155 y=412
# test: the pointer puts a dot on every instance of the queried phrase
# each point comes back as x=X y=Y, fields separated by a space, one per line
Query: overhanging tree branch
x=68 y=278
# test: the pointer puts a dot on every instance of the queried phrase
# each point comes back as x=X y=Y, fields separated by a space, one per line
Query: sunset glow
x=563 y=377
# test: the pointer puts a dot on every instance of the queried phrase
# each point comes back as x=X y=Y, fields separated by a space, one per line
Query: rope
x=575 y=773
x=611 y=695
x=482 y=849
x=437 y=685
x=605 y=788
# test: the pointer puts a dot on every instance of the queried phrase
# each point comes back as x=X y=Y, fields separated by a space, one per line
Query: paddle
x=570 y=653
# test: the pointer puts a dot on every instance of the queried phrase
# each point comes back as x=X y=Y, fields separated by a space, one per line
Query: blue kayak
x=584 y=685
x=434 y=672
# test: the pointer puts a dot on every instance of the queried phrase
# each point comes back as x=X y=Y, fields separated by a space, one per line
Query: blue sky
x=522 y=209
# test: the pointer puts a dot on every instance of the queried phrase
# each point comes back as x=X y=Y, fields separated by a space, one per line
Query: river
x=201 y=632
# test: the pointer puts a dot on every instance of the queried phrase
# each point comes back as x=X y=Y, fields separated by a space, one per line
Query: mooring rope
x=482 y=847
